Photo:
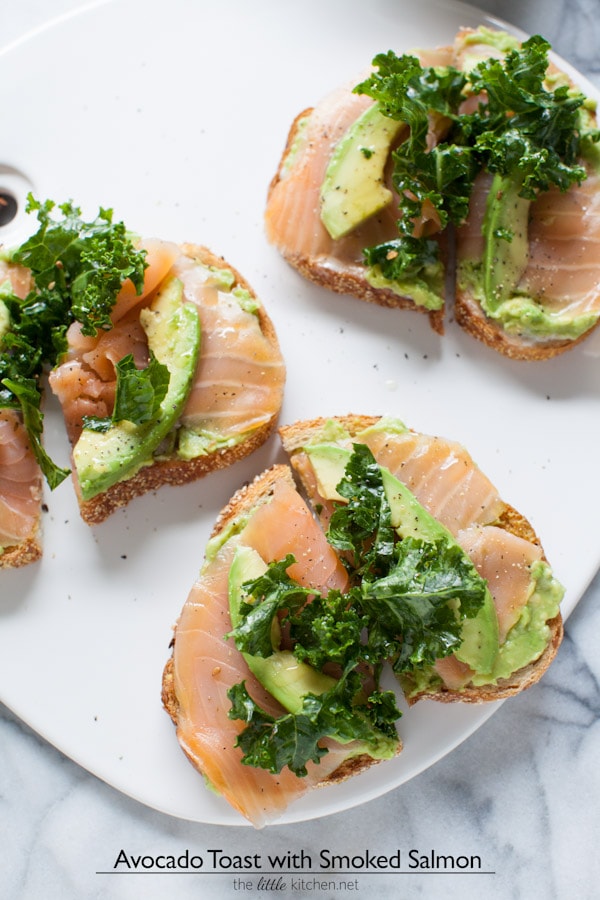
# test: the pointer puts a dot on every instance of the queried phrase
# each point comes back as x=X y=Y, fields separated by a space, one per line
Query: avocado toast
x=483 y=150
x=164 y=361
x=204 y=323
x=412 y=563
x=527 y=274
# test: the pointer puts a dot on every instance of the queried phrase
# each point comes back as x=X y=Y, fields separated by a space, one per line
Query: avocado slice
x=410 y=519
x=506 y=249
x=503 y=263
x=173 y=329
x=353 y=188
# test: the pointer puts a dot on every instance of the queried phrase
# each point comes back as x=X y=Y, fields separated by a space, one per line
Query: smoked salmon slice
x=20 y=475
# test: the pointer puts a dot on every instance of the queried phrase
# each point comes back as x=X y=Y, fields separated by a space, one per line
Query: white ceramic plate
x=176 y=114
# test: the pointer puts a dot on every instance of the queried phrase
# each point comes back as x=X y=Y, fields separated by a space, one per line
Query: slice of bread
x=223 y=298
x=292 y=220
x=199 y=643
x=203 y=663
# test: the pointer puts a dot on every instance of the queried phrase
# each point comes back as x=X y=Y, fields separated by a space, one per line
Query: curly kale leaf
x=416 y=611
x=138 y=396
x=409 y=92
x=80 y=265
x=362 y=526
x=328 y=630
x=525 y=130
x=292 y=740
x=404 y=258
x=27 y=395
x=271 y=593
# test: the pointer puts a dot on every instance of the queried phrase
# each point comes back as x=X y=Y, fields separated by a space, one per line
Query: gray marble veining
x=523 y=792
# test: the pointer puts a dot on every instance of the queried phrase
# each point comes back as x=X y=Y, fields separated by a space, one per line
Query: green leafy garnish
x=524 y=130
x=418 y=599
x=362 y=527
x=78 y=269
x=139 y=394
x=81 y=264
x=407 y=91
x=272 y=592
x=329 y=630
x=520 y=128
x=405 y=257
x=292 y=740
x=26 y=393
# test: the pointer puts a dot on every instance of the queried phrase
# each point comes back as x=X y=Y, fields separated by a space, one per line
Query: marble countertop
x=522 y=793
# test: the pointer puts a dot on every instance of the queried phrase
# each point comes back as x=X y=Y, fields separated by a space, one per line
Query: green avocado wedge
x=286 y=678
x=102 y=458
x=506 y=245
x=353 y=189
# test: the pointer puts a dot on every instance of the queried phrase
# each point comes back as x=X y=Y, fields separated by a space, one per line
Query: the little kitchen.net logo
x=298 y=870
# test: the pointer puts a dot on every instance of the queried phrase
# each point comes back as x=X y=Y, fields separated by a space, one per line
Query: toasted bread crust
x=336 y=279
x=298 y=434
x=294 y=436
x=175 y=470
x=27 y=551
x=470 y=316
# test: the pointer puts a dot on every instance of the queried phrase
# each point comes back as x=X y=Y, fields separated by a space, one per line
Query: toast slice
x=226 y=407
x=323 y=607
x=498 y=538
x=270 y=517
x=20 y=475
x=294 y=225
x=20 y=495
x=534 y=293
